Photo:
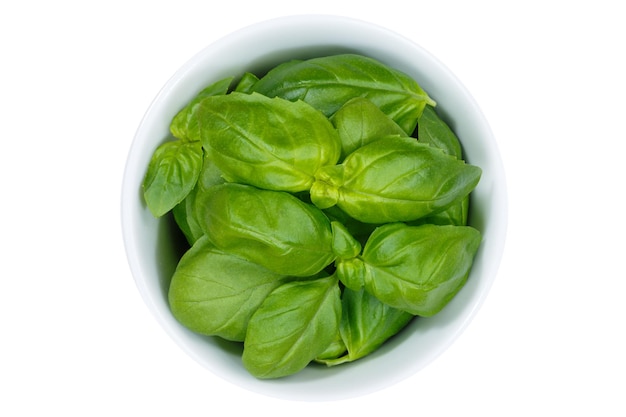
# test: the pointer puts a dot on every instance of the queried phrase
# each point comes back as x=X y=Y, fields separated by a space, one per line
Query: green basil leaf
x=360 y=122
x=435 y=132
x=351 y=272
x=273 y=144
x=394 y=179
x=182 y=125
x=455 y=215
x=294 y=325
x=246 y=83
x=327 y=83
x=215 y=293
x=418 y=269
x=172 y=173
x=184 y=213
x=185 y=219
x=431 y=129
x=336 y=349
x=344 y=245
x=272 y=228
x=366 y=323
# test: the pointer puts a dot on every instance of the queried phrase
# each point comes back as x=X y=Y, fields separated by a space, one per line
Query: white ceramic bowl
x=152 y=254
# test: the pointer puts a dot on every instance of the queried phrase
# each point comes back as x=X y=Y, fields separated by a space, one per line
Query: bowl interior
x=154 y=246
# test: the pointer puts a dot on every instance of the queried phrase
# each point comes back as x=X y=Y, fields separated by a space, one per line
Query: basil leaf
x=336 y=349
x=327 y=83
x=360 y=122
x=351 y=273
x=344 y=245
x=366 y=323
x=172 y=173
x=431 y=129
x=185 y=219
x=269 y=143
x=295 y=324
x=455 y=215
x=215 y=293
x=246 y=83
x=435 y=132
x=272 y=228
x=182 y=125
x=168 y=180
x=394 y=179
x=184 y=213
x=418 y=269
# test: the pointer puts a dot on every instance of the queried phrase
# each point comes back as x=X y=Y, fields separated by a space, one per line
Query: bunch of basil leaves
x=325 y=205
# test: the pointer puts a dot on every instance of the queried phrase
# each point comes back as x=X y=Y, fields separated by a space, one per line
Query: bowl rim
x=129 y=218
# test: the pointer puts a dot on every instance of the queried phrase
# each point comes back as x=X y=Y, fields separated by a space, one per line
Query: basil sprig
x=417 y=269
x=394 y=179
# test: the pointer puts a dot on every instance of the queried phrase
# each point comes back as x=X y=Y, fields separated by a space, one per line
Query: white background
x=75 y=81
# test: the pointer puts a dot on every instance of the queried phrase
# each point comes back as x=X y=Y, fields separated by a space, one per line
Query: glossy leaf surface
x=273 y=144
x=172 y=173
x=366 y=324
x=418 y=269
x=359 y=122
x=215 y=293
x=184 y=213
x=435 y=131
x=431 y=129
x=327 y=83
x=183 y=125
x=294 y=325
x=272 y=228
x=394 y=179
